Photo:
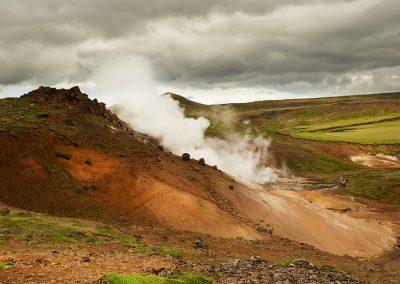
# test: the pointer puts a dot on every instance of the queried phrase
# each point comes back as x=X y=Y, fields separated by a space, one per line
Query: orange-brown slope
x=65 y=154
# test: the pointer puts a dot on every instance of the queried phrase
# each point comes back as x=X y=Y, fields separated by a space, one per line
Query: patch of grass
x=374 y=184
x=377 y=133
x=117 y=235
x=34 y=228
x=185 y=278
x=143 y=249
x=171 y=251
x=285 y=262
x=4 y=265
x=44 y=229
x=297 y=255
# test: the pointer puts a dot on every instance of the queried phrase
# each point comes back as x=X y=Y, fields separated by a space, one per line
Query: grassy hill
x=317 y=137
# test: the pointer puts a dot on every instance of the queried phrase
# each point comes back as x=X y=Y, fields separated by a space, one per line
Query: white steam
x=129 y=82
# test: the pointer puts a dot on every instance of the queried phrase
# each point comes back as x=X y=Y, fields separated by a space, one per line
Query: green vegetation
x=143 y=249
x=116 y=235
x=4 y=265
x=285 y=262
x=172 y=251
x=371 y=133
x=185 y=278
x=371 y=120
x=43 y=229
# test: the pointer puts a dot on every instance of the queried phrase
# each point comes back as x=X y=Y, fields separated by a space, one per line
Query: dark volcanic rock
x=186 y=156
x=198 y=243
x=256 y=270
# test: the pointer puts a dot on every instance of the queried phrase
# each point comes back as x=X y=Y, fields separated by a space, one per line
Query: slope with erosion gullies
x=72 y=157
x=67 y=155
x=356 y=137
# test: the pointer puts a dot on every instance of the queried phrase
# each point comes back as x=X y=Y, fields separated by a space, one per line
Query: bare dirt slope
x=66 y=162
x=66 y=155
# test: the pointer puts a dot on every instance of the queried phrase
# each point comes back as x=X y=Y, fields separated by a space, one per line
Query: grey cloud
x=206 y=44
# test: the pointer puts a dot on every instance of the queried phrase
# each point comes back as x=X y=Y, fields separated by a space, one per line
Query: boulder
x=186 y=156
x=198 y=243
x=4 y=211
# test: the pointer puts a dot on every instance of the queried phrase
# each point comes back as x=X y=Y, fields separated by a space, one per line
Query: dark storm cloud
x=345 y=45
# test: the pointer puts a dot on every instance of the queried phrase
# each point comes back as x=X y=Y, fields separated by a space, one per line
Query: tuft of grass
x=171 y=251
x=143 y=249
x=185 y=278
x=285 y=262
x=4 y=265
x=117 y=235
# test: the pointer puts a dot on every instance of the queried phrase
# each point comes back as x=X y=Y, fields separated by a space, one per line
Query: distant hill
x=323 y=137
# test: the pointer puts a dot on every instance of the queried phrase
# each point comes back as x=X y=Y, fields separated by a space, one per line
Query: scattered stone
x=162 y=271
x=85 y=259
x=215 y=167
x=24 y=214
x=202 y=161
x=13 y=134
x=88 y=162
x=397 y=245
x=344 y=210
x=64 y=155
x=342 y=182
x=231 y=187
x=186 y=156
x=161 y=148
x=198 y=243
x=42 y=115
x=256 y=270
x=94 y=187
x=4 y=211
x=70 y=122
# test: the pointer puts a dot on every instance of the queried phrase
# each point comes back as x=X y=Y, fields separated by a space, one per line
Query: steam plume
x=129 y=82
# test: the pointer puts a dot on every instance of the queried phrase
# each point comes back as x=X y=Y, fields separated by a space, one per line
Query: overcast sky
x=212 y=51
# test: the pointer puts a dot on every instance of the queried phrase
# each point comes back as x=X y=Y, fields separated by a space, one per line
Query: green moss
x=172 y=251
x=185 y=278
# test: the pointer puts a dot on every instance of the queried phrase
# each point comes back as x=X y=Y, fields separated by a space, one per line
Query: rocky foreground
x=256 y=270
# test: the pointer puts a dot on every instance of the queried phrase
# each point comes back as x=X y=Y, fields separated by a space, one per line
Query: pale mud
x=376 y=161
x=314 y=218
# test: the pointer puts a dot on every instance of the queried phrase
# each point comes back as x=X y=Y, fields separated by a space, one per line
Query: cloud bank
x=298 y=47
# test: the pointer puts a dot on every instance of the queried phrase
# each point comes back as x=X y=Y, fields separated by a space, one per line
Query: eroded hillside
x=65 y=155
